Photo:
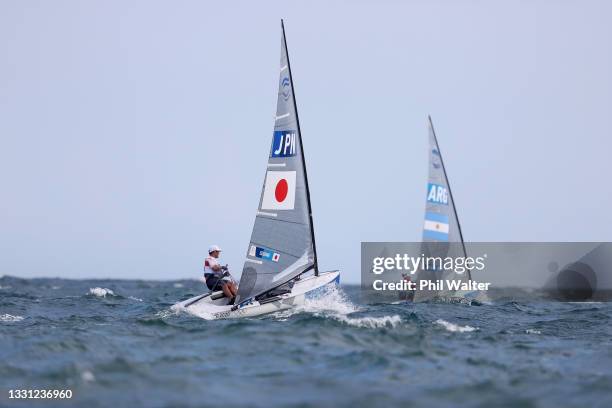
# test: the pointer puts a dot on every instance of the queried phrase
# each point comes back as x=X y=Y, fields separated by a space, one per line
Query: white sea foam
x=10 y=318
x=331 y=299
x=101 y=292
x=173 y=311
x=332 y=303
x=178 y=285
x=533 y=331
x=452 y=327
x=135 y=298
x=87 y=376
x=5 y=287
x=370 y=322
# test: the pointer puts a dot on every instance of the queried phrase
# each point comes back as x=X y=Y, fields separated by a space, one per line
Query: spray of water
x=332 y=303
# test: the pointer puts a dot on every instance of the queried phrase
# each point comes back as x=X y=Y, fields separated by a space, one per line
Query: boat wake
x=333 y=303
x=167 y=313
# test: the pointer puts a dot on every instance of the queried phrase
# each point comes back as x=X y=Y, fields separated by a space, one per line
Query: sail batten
x=282 y=242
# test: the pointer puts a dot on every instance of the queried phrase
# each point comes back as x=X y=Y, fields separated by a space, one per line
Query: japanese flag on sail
x=279 y=191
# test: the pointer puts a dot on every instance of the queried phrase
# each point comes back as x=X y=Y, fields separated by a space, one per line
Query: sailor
x=214 y=274
x=407 y=295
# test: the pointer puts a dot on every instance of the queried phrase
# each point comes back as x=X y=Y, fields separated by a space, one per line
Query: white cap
x=213 y=248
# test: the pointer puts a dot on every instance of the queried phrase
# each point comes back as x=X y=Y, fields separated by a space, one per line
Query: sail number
x=437 y=194
x=283 y=143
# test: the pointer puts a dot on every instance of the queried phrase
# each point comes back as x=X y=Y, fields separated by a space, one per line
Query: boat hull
x=215 y=307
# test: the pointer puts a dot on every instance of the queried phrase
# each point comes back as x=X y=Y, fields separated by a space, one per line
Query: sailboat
x=442 y=236
x=280 y=269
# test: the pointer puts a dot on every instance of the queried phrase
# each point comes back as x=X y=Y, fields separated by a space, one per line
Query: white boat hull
x=215 y=306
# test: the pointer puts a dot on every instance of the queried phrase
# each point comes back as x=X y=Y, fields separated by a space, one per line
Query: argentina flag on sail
x=436 y=226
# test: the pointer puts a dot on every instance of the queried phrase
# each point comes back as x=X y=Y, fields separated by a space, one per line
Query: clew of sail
x=282 y=242
x=442 y=236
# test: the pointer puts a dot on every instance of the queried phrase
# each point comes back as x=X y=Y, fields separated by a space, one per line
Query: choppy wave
x=166 y=313
x=88 y=376
x=10 y=318
x=533 y=331
x=333 y=303
x=332 y=300
x=117 y=350
x=101 y=292
x=370 y=322
x=452 y=327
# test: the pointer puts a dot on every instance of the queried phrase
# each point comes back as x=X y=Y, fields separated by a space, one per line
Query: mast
x=297 y=119
x=450 y=193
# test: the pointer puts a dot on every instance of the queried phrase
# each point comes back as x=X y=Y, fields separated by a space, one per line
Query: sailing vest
x=209 y=262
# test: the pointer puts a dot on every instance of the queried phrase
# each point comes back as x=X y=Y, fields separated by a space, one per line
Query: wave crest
x=452 y=327
x=333 y=303
x=101 y=292
x=10 y=318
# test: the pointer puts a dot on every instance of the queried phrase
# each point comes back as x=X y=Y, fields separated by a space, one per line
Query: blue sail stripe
x=438 y=236
x=443 y=218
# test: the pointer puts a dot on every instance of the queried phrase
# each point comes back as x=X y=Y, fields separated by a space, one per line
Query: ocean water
x=117 y=343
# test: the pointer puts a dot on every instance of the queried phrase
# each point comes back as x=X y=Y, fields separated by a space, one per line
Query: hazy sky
x=135 y=133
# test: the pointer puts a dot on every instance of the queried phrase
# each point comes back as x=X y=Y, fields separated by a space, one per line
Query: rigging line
x=297 y=119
